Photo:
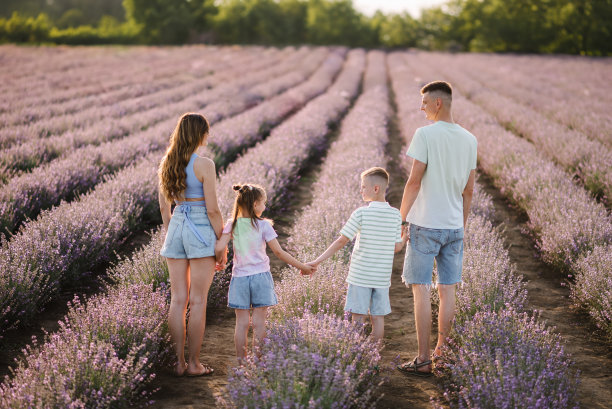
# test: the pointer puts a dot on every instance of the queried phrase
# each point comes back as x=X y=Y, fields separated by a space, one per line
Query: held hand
x=405 y=233
x=309 y=268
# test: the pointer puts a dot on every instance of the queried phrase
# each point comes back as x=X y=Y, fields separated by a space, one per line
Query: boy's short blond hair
x=376 y=172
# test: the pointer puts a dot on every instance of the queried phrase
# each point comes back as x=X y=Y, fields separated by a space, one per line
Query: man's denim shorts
x=182 y=241
x=367 y=301
x=253 y=291
x=443 y=245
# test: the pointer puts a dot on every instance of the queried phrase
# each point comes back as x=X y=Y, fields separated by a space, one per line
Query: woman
x=191 y=233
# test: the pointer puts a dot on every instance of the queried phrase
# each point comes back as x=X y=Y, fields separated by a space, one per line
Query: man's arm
x=467 y=194
x=413 y=185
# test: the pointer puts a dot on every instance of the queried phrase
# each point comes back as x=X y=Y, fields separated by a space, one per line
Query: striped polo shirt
x=378 y=227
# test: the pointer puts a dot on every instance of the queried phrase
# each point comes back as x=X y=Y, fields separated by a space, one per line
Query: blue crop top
x=194 y=186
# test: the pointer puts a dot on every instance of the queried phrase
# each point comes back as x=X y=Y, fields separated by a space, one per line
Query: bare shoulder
x=204 y=164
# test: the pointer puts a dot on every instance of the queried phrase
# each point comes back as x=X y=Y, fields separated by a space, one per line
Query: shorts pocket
x=426 y=241
x=172 y=227
x=457 y=244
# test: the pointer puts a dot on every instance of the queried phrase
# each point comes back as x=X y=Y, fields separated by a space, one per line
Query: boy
x=378 y=229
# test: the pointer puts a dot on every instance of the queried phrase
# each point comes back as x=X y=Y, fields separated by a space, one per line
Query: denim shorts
x=443 y=245
x=367 y=301
x=190 y=234
x=253 y=291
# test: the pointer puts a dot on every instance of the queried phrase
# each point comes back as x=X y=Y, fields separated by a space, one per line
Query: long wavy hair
x=188 y=135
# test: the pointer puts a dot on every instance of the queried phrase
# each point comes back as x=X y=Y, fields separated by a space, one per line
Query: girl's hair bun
x=237 y=187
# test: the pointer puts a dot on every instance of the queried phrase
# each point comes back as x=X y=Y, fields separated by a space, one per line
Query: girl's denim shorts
x=254 y=291
x=190 y=234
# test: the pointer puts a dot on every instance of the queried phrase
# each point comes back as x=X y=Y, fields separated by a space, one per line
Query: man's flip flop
x=411 y=368
x=207 y=371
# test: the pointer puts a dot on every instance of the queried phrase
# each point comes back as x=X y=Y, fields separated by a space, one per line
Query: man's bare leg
x=422 y=318
x=446 y=314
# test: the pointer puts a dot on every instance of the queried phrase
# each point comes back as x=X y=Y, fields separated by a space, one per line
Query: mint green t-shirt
x=450 y=154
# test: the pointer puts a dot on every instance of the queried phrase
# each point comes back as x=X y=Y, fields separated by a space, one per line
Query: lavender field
x=82 y=131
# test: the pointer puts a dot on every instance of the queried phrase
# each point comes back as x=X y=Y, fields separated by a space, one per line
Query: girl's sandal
x=412 y=368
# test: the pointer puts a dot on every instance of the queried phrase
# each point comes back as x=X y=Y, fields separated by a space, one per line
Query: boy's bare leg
x=446 y=314
x=240 y=333
x=378 y=326
x=360 y=318
x=422 y=318
x=259 y=325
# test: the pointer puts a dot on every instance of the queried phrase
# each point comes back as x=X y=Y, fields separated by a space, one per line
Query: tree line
x=531 y=26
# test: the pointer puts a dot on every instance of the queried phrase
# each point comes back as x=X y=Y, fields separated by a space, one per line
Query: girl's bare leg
x=241 y=333
x=179 y=290
x=202 y=274
x=259 y=325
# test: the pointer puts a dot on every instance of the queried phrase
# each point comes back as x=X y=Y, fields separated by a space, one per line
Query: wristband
x=405 y=223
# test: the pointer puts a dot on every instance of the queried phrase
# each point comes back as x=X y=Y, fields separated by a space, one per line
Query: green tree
x=168 y=21
x=336 y=22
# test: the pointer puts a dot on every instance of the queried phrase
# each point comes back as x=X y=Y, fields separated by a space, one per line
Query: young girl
x=191 y=233
x=251 y=285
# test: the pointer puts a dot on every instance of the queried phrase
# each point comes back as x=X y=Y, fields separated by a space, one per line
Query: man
x=434 y=210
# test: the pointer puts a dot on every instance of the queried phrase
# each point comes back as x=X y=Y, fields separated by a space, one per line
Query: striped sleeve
x=353 y=225
x=398 y=230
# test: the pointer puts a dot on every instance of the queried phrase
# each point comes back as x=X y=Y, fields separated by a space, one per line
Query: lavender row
x=103 y=356
x=26 y=195
x=128 y=115
x=74 y=80
x=46 y=259
x=360 y=145
x=275 y=162
x=70 y=239
x=330 y=357
x=33 y=153
x=249 y=127
x=484 y=365
x=528 y=87
x=588 y=160
x=143 y=77
x=592 y=288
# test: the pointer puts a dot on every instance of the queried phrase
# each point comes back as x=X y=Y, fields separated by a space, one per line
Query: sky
x=414 y=7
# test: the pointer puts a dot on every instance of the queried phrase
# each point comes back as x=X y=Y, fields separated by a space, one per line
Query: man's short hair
x=442 y=86
x=377 y=173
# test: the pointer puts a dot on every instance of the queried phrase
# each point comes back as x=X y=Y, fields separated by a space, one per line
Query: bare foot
x=199 y=370
x=180 y=368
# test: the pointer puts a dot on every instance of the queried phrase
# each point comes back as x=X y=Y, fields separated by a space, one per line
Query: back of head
x=439 y=89
x=246 y=197
x=378 y=175
x=187 y=136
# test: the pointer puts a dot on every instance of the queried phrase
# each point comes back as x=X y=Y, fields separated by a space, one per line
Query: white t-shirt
x=450 y=154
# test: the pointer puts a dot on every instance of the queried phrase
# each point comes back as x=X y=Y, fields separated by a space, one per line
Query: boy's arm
x=332 y=249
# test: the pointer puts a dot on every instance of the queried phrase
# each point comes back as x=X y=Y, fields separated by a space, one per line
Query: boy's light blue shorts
x=367 y=301
x=253 y=291
x=443 y=245
x=190 y=234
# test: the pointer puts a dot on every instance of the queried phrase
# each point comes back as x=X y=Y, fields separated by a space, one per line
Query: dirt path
x=546 y=293
x=401 y=391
